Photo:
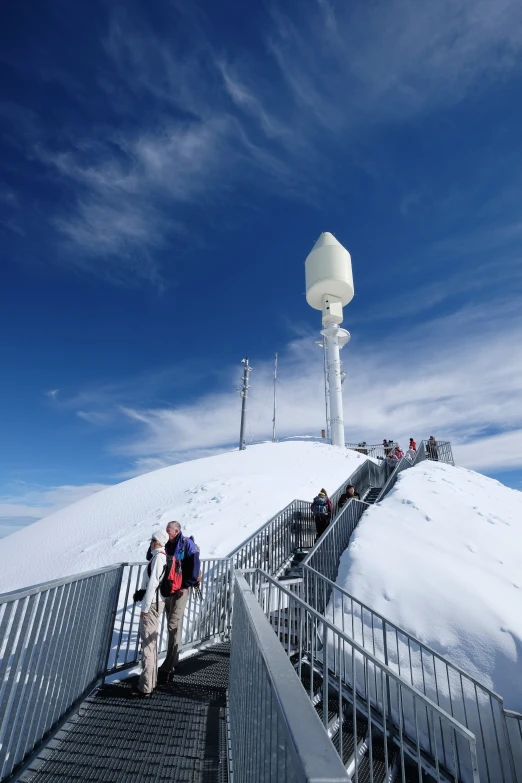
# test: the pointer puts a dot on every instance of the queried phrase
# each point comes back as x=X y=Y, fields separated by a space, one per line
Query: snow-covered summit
x=221 y=500
x=441 y=557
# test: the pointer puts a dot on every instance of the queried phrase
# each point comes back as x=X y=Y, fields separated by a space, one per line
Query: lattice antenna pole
x=244 y=394
x=274 y=439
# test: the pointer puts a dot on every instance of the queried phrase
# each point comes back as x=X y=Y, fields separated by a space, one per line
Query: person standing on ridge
x=152 y=605
x=388 y=445
x=432 y=448
x=322 y=511
x=411 y=452
x=183 y=553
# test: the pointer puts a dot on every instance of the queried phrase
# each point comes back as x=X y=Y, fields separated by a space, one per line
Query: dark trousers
x=321 y=523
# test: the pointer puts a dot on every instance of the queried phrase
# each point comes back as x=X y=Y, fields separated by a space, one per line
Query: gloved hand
x=138 y=596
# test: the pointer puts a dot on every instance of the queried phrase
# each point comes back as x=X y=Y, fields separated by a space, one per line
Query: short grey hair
x=177 y=525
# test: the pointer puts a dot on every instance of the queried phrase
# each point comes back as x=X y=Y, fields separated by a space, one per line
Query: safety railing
x=271 y=546
x=204 y=618
x=514 y=724
x=392 y=470
x=54 y=643
x=375 y=450
x=401 y=722
x=369 y=474
x=275 y=733
x=326 y=554
x=439 y=451
x=293 y=528
x=462 y=696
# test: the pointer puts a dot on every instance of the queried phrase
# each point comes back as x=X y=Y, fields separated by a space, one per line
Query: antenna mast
x=244 y=393
x=274 y=439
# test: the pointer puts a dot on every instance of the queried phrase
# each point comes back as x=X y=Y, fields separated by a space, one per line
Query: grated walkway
x=177 y=735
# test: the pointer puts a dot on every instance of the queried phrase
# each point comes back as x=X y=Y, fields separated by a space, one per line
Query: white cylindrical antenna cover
x=328 y=270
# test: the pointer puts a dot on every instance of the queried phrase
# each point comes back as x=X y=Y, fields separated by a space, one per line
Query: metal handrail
x=402 y=464
x=261 y=674
x=25 y=592
x=462 y=695
x=308 y=634
x=54 y=642
x=364 y=607
x=288 y=529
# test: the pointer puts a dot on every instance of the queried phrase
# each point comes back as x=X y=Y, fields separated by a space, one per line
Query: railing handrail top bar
x=393 y=475
x=201 y=560
x=24 y=592
x=300 y=732
x=513 y=714
x=332 y=523
x=363 y=445
x=379 y=664
x=406 y=633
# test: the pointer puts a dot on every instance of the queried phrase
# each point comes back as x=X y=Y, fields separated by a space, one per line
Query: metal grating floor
x=177 y=735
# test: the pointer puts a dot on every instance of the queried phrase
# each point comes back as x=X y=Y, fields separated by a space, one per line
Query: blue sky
x=166 y=168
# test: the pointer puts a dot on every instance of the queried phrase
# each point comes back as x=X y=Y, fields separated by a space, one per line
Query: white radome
x=328 y=272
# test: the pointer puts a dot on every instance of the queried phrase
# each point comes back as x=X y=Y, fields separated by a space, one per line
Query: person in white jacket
x=152 y=605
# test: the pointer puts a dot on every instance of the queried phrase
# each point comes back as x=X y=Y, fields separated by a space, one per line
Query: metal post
x=331 y=336
x=244 y=392
x=274 y=419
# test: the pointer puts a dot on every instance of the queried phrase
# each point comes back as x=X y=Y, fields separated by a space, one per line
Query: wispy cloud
x=457 y=375
x=387 y=61
x=187 y=123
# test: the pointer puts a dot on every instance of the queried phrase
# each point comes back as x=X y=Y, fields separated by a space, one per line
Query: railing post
x=113 y=623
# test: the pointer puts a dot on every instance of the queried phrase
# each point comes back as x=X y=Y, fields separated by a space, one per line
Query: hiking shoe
x=164 y=678
x=136 y=693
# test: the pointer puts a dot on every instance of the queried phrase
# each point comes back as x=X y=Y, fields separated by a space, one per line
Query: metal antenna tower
x=274 y=439
x=243 y=391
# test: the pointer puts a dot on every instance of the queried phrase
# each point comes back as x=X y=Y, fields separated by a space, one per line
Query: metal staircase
x=338 y=695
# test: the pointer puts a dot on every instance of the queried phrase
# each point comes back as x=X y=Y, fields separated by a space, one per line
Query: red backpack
x=172 y=577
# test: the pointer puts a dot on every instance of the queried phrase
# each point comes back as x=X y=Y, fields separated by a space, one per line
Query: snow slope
x=441 y=556
x=221 y=500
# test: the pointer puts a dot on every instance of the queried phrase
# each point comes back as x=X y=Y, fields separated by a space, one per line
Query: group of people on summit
x=322 y=505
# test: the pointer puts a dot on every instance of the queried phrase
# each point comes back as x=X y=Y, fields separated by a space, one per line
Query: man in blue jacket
x=186 y=551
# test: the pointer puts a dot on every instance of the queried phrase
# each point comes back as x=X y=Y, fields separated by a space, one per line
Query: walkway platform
x=177 y=735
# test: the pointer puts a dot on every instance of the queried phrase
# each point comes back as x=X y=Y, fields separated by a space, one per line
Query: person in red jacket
x=413 y=445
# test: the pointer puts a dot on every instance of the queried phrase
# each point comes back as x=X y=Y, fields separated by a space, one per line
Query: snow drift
x=440 y=557
x=221 y=500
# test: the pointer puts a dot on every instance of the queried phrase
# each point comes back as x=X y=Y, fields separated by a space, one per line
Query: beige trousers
x=174 y=606
x=149 y=648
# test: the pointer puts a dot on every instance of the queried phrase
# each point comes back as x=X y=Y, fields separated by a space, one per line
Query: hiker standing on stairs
x=349 y=493
x=152 y=605
x=322 y=511
x=186 y=554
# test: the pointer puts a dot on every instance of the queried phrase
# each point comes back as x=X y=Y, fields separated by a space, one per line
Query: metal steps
x=293 y=569
x=365 y=757
x=372 y=495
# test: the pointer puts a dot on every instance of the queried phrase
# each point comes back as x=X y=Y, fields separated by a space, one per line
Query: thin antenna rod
x=274 y=439
x=244 y=392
